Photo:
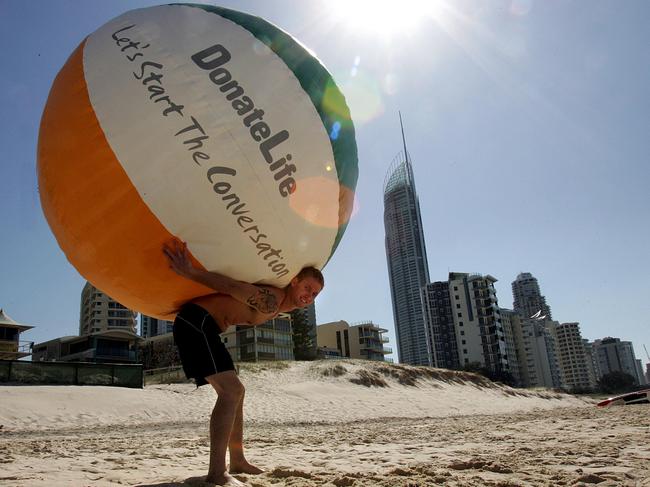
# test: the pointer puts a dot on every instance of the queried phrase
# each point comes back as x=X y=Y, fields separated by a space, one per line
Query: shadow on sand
x=189 y=482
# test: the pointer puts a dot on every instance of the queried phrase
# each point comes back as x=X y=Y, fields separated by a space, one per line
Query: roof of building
x=369 y=324
x=5 y=320
x=471 y=276
x=400 y=173
x=106 y=333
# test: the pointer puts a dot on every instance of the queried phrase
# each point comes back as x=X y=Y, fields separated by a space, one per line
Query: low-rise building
x=328 y=353
x=271 y=340
x=363 y=340
x=110 y=346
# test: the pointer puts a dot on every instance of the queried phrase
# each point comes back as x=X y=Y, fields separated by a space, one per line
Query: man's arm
x=256 y=297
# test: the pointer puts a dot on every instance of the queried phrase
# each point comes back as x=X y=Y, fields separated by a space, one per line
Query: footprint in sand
x=284 y=472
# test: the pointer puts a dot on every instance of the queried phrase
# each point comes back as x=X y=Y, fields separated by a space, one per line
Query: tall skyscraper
x=528 y=299
x=100 y=312
x=408 y=269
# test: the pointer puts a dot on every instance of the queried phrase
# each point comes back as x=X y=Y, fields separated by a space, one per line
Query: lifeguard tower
x=11 y=347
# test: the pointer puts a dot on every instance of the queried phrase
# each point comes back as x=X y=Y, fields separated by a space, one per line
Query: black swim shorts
x=202 y=352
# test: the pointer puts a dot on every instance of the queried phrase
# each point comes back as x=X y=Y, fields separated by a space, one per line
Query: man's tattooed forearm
x=264 y=301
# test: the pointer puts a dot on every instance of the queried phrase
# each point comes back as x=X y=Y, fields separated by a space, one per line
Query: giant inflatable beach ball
x=201 y=123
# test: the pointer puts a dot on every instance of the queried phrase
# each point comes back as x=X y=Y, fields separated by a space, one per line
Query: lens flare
x=308 y=203
x=363 y=94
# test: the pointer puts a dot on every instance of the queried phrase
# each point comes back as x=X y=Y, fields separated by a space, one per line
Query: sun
x=383 y=18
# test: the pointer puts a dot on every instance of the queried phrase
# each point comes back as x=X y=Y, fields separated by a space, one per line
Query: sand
x=325 y=423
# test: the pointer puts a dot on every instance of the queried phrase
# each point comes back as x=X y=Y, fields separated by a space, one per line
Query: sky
x=526 y=121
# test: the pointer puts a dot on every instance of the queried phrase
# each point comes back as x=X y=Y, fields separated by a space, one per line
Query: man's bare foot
x=244 y=467
x=226 y=480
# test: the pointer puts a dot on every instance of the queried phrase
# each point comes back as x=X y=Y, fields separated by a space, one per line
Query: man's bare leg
x=230 y=392
x=238 y=462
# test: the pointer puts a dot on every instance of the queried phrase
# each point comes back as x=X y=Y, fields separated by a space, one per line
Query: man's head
x=303 y=289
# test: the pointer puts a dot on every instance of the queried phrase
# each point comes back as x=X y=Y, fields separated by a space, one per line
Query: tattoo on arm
x=264 y=301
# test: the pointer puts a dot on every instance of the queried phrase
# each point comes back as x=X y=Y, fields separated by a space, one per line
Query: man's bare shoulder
x=266 y=299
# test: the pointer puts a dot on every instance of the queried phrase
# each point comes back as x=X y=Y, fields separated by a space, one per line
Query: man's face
x=304 y=291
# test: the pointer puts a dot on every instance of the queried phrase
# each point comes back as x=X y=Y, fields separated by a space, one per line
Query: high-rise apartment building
x=528 y=299
x=99 y=312
x=541 y=367
x=639 y=372
x=408 y=269
x=151 y=327
x=440 y=322
x=615 y=355
x=575 y=365
x=477 y=321
x=512 y=331
x=592 y=360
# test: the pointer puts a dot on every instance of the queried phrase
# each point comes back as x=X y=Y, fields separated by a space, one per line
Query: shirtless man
x=205 y=358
